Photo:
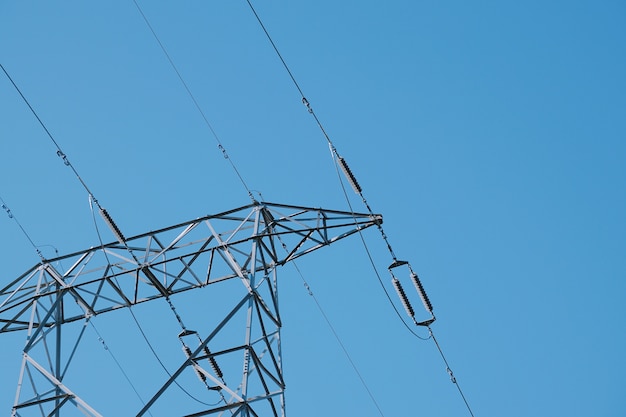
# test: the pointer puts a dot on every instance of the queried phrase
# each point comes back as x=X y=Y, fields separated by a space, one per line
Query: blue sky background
x=490 y=135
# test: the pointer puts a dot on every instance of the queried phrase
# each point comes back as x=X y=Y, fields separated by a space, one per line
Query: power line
x=60 y=152
x=193 y=99
x=107 y=218
x=336 y=335
x=373 y=264
x=452 y=377
x=103 y=212
x=339 y=160
x=357 y=188
x=335 y=154
x=226 y=156
x=119 y=365
x=12 y=216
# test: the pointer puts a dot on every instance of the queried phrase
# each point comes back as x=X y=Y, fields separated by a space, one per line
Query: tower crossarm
x=178 y=258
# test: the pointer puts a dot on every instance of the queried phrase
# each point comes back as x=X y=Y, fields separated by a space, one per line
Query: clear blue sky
x=490 y=135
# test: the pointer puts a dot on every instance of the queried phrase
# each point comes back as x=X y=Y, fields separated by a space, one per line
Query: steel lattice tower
x=246 y=244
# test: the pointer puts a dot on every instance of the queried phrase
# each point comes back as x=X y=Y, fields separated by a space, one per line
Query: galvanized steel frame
x=247 y=243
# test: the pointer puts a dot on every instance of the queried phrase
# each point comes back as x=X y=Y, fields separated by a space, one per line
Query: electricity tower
x=242 y=247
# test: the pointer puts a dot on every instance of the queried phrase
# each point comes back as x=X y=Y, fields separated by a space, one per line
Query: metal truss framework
x=246 y=244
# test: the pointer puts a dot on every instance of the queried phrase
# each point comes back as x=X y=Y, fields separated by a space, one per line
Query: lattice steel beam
x=247 y=243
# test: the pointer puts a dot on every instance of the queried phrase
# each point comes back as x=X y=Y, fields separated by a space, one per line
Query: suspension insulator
x=116 y=231
x=201 y=376
x=422 y=293
x=213 y=362
x=403 y=297
x=195 y=367
x=349 y=175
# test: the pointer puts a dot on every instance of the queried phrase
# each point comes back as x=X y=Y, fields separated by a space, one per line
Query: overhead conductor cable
x=105 y=215
x=109 y=220
x=195 y=102
x=11 y=216
x=357 y=188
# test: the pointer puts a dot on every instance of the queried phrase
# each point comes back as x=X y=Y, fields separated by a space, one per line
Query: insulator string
x=351 y=178
x=212 y=362
x=422 y=293
x=214 y=365
x=405 y=300
x=116 y=230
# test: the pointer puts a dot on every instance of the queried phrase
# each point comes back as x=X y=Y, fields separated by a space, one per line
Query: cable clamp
x=8 y=211
x=61 y=155
x=452 y=378
x=307 y=104
x=221 y=148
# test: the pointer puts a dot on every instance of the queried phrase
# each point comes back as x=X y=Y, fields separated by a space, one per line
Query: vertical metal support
x=250 y=278
x=246 y=356
x=279 y=349
x=57 y=366
x=46 y=319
